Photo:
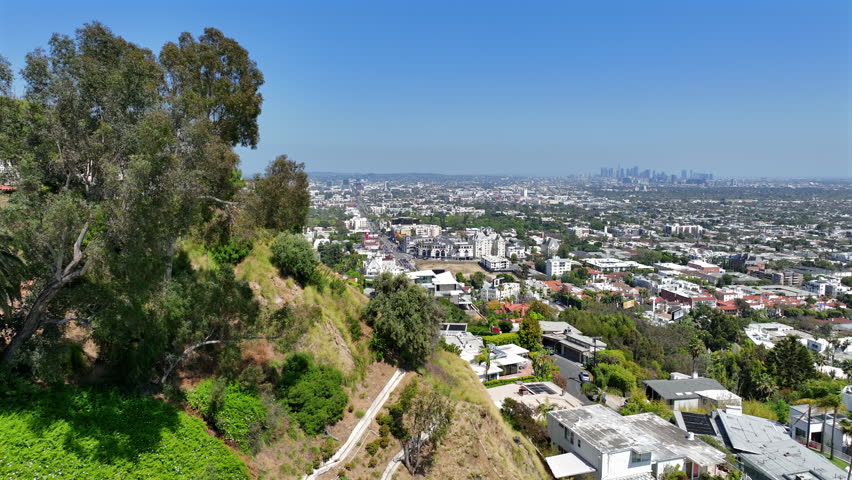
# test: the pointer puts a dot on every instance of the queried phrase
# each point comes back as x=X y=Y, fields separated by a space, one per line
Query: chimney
x=694 y=374
x=690 y=436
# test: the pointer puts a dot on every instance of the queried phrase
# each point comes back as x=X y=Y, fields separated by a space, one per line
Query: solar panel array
x=698 y=423
x=539 y=388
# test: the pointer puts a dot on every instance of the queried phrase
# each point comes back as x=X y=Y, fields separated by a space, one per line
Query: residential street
x=571 y=371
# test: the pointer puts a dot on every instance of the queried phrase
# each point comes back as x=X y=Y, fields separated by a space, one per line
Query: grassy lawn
x=66 y=432
x=840 y=463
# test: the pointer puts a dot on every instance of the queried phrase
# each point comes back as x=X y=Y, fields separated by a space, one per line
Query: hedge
x=501 y=339
x=506 y=381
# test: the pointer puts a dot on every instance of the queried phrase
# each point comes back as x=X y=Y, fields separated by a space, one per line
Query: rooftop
x=609 y=432
x=683 y=388
x=766 y=446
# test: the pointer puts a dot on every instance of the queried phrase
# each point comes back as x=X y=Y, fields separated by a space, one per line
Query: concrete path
x=392 y=467
x=361 y=428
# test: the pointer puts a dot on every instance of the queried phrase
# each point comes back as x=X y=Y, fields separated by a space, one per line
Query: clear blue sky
x=734 y=87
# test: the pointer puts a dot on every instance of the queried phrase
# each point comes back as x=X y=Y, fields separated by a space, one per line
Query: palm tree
x=484 y=357
x=825 y=403
x=810 y=402
x=835 y=403
x=846 y=428
x=696 y=348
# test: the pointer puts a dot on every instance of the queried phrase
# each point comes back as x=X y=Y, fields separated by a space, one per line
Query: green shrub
x=104 y=434
x=372 y=447
x=506 y=381
x=294 y=256
x=232 y=252
x=238 y=415
x=616 y=376
x=384 y=430
x=312 y=393
x=501 y=339
x=480 y=331
x=355 y=330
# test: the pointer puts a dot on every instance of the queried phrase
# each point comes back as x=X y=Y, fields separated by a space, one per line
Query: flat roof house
x=572 y=344
x=683 y=392
x=599 y=442
x=766 y=451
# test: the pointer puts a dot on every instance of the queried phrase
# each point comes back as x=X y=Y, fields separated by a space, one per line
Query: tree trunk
x=33 y=320
x=808 y=434
x=833 y=424
x=170 y=257
x=822 y=435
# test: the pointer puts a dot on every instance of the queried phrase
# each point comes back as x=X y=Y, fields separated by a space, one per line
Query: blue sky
x=733 y=87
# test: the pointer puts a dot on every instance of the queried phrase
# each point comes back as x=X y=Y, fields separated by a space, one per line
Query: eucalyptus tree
x=122 y=153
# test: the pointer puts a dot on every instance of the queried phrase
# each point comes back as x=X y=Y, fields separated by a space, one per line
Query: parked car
x=585 y=377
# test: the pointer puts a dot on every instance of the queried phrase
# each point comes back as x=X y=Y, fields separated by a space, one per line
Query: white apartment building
x=494 y=263
x=599 y=442
x=358 y=224
x=556 y=266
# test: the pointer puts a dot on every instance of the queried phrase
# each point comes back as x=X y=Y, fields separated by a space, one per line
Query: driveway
x=571 y=371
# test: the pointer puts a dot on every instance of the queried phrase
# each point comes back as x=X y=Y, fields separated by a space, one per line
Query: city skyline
x=740 y=90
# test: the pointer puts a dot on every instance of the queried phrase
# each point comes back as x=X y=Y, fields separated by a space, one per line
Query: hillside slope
x=479 y=445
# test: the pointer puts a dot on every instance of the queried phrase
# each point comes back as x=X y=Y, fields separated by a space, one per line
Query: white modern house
x=599 y=442
x=379 y=264
x=442 y=285
x=494 y=263
x=684 y=392
x=498 y=289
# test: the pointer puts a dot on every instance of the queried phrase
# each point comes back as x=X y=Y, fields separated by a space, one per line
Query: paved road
x=571 y=371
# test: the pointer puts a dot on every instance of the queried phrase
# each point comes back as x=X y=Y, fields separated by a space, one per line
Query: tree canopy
x=404 y=319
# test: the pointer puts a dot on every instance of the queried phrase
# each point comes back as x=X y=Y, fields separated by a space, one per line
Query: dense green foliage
x=123 y=153
x=501 y=339
x=639 y=404
x=529 y=334
x=279 y=201
x=231 y=253
x=330 y=253
x=294 y=256
x=522 y=419
x=404 y=319
x=790 y=362
x=236 y=414
x=507 y=381
x=312 y=393
x=92 y=434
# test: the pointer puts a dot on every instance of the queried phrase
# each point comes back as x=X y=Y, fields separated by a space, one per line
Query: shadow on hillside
x=103 y=426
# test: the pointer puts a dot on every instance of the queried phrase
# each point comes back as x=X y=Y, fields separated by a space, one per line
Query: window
x=578 y=442
x=636 y=457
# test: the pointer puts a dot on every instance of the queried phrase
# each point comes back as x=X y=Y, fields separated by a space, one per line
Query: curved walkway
x=361 y=428
x=393 y=466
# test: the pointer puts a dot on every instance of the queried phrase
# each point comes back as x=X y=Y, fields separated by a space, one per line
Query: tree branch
x=80 y=320
x=206 y=342
x=219 y=200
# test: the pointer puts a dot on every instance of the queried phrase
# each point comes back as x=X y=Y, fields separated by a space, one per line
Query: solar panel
x=539 y=388
x=698 y=424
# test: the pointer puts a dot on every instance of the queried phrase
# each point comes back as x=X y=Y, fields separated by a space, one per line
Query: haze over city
x=755 y=89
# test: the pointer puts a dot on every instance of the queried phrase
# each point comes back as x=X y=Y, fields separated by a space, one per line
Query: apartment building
x=556 y=266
